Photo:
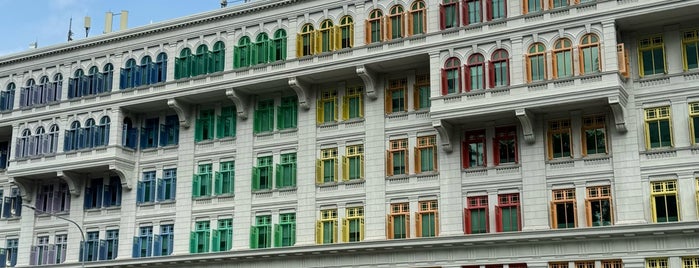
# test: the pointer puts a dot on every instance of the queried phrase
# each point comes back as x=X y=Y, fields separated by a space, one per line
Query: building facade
x=335 y=133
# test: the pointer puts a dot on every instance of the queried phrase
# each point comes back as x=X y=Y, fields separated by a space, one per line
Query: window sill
x=203 y=197
x=343 y=182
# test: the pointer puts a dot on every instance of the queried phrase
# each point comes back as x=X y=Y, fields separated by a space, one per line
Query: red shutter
x=516 y=146
x=496 y=150
x=467 y=74
x=465 y=161
x=485 y=151
x=464 y=11
x=487 y=219
x=483 y=71
x=507 y=70
x=444 y=82
x=467 y=221
x=461 y=86
x=505 y=9
x=498 y=219
x=442 y=17
x=519 y=217
x=491 y=74
x=489 y=9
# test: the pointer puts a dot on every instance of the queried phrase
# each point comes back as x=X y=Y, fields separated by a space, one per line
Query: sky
x=47 y=21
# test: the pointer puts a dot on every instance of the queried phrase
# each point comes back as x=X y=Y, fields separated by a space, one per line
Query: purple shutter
x=57 y=200
x=33 y=255
x=40 y=202
x=51 y=255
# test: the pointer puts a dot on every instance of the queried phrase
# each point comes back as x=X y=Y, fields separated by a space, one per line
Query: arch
x=130 y=63
x=75 y=125
x=476 y=58
x=475 y=72
x=162 y=56
x=451 y=76
x=416 y=5
x=104 y=120
x=245 y=40
x=44 y=80
x=30 y=82
x=146 y=60
x=78 y=73
x=54 y=128
x=26 y=132
x=11 y=86
x=127 y=122
x=201 y=49
x=93 y=70
x=108 y=67
x=562 y=61
x=185 y=52
x=280 y=33
x=57 y=77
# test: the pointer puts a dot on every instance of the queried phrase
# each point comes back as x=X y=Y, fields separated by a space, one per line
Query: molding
x=370 y=80
x=26 y=188
x=241 y=102
x=302 y=89
x=183 y=111
x=619 y=111
x=445 y=131
x=74 y=180
x=526 y=118
x=125 y=174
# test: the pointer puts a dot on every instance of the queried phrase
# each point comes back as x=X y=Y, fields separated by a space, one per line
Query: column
x=535 y=201
x=183 y=192
x=376 y=207
x=306 y=172
x=610 y=60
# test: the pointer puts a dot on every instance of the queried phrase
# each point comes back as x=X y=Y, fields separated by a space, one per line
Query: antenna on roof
x=224 y=3
x=88 y=21
x=70 y=30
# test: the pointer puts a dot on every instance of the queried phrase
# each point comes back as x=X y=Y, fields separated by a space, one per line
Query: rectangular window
x=326 y=167
x=262 y=174
x=560 y=143
x=93 y=194
x=696 y=196
x=11 y=248
x=651 y=56
x=167 y=185
x=421 y=92
x=426 y=154
x=584 y=264
x=476 y=213
x=285 y=231
x=656 y=263
x=39 y=252
x=326 y=109
x=61 y=242
x=287 y=113
x=146 y=188
x=264 y=116
x=90 y=250
x=396 y=96
x=694 y=122
x=612 y=264
x=473 y=12
x=170 y=131
x=112 y=244
x=397 y=160
x=558 y=3
x=598 y=206
x=427 y=219
x=222 y=239
x=658 y=127
x=225 y=178
x=226 y=122
x=201 y=182
x=558 y=265
x=143 y=243
x=353 y=163
x=12 y=206
x=507 y=213
x=690 y=47
x=164 y=246
x=664 y=201
x=474 y=152
x=449 y=13
x=112 y=193
x=149 y=134
x=398 y=221
x=497 y=9
x=199 y=239
x=353 y=225
x=505 y=145
x=690 y=262
x=353 y=103
x=594 y=135
x=563 y=209
x=533 y=6
x=326 y=227
x=286 y=171
x=205 y=126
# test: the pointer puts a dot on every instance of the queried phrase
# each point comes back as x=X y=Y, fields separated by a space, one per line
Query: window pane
x=397 y=101
x=692 y=56
x=478 y=221
x=695 y=120
x=477 y=77
x=509 y=219
x=658 y=61
x=399 y=226
x=507 y=151
x=475 y=154
x=647 y=62
x=328 y=111
x=426 y=159
x=534 y=5
x=428 y=225
x=600 y=211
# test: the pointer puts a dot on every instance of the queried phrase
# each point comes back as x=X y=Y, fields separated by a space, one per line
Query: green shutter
x=293 y=174
x=210 y=123
x=236 y=57
x=218 y=183
x=196 y=183
x=277 y=235
x=280 y=117
x=178 y=68
x=279 y=177
x=253 y=237
x=283 y=42
x=255 y=178
x=193 y=242
x=199 y=130
x=216 y=241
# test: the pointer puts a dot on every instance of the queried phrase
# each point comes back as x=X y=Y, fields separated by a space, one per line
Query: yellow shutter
x=653 y=212
x=319 y=111
x=319 y=232
x=382 y=25
x=436 y=223
x=361 y=166
x=588 y=213
x=361 y=229
x=335 y=106
x=345 y=108
x=319 y=171
x=338 y=39
x=331 y=38
x=552 y=212
x=424 y=20
x=351 y=31
x=418 y=224
x=389 y=227
x=389 y=163
x=345 y=168
x=299 y=45
x=335 y=170
x=677 y=201
x=345 y=230
x=529 y=69
x=335 y=231
x=555 y=64
x=581 y=60
x=546 y=67
x=418 y=166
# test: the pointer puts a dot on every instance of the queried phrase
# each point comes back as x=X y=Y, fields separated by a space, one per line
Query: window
x=264 y=116
x=146 y=188
x=201 y=183
x=394 y=22
x=473 y=11
x=664 y=201
x=474 y=152
x=11 y=248
x=12 y=204
x=98 y=195
x=427 y=219
x=612 y=264
x=326 y=227
x=326 y=109
x=260 y=49
x=130 y=75
x=326 y=36
x=160 y=68
x=262 y=174
x=170 y=131
x=167 y=185
x=241 y=53
x=426 y=154
x=143 y=243
x=199 y=239
x=590 y=54
x=261 y=232
x=658 y=127
x=656 y=263
x=562 y=58
x=222 y=239
x=77 y=85
x=598 y=206
x=353 y=225
x=112 y=193
x=71 y=138
x=421 y=92
x=304 y=41
x=397 y=96
x=536 y=63
x=205 y=126
x=499 y=69
x=507 y=213
x=7 y=97
x=374 y=27
x=477 y=219
x=353 y=163
x=53 y=198
x=496 y=9
x=225 y=178
x=101 y=134
x=26 y=94
x=559 y=139
x=164 y=243
x=285 y=231
x=451 y=76
x=651 y=56
x=287 y=113
x=149 y=134
x=200 y=61
x=449 y=14
x=558 y=3
x=278 y=46
x=564 y=209
x=326 y=167
x=286 y=171
x=39 y=253
x=399 y=221
x=690 y=50
x=61 y=245
x=217 y=57
x=226 y=122
x=397 y=160
x=25 y=145
x=690 y=262
x=93 y=194
x=697 y=195
x=505 y=145
x=417 y=20
x=533 y=6
x=353 y=103
x=475 y=72
x=558 y=265
x=90 y=250
x=694 y=122
x=594 y=135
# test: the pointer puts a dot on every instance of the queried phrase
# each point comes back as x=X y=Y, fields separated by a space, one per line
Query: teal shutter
x=221 y=126
x=196 y=184
x=277 y=235
x=199 y=130
x=279 y=176
x=218 y=188
x=253 y=237
x=216 y=241
x=193 y=242
x=255 y=178
x=293 y=174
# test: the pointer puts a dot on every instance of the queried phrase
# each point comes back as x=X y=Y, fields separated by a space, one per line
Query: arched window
x=201 y=61
x=326 y=36
x=38 y=141
x=161 y=67
x=130 y=134
x=7 y=97
x=261 y=48
x=182 y=64
x=129 y=75
x=499 y=69
x=96 y=83
x=562 y=58
x=88 y=134
x=278 y=51
x=218 y=57
x=590 y=54
x=27 y=94
x=24 y=144
x=346 y=34
x=44 y=80
x=73 y=137
x=373 y=27
x=101 y=135
x=473 y=12
x=53 y=90
x=108 y=75
x=51 y=140
x=475 y=72
x=395 y=23
x=451 y=76
x=304 y=42
x=241 y=54
x=41 y=95
x=417 y=22
x=536 y=62
x=449 y=13
x=146 y=70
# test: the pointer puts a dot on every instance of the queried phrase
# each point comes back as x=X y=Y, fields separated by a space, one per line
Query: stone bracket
x=26 y=188
x=74 y=180
x=241 y=102
x=370 y=80
x=125 y=174
x=526 y=118
x=303 y=90
x=183 y=110
x=619 y=111
x=445 y=131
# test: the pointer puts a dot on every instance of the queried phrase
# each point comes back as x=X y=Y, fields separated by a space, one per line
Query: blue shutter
x=163 y=134
x=161 y=190
x=71 y=88
x=84 y=85
x=152 y=73
x=99 y=83
x=103 y=250
x=144 y=138
x=18 y=206
x=173 y=188
x=157 y=245
x=122 y=79
x=140 y=192
x=6 y=208
x=152 y=189
x=101 y=193
x=87 y=200
x=163 y=76
x=81 y=256
x=149 y=247
x=136 y=250
x=137 y=76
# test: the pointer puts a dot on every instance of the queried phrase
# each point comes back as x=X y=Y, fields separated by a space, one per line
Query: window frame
x=507 y=201
x=688 y=38
x=224 y=182
x=397 y=146
x=325 y=37
x=424 y=208
x=396 y=13
x=375 y=18
x=563 y=197
x=694 y=123
x=346 y=24
x=201 y=233
x=562 y=46
x=327 y=216
x=261 y=231
x=443 y=25
x=476 y=203
x=500 y=56
x=353 y=92
x=286 y=161
x=353 y=151
x=665 y=188
x=422 y=82
x=561 y=126
x=466 y=12
x=417 y=10
x=505 y=133
x=423 y=143
x=287 y=223
x=656 y=114
x=326 y=155
x=396 y=85
x=651 y=43
x=353 y=214
x=598 y=194
x=657 y=263
x=327 y=96
x=536 y=50
x=490 y=10
x=475 y=61
x=473 y=137
x=450 y=65
x=594 y=122
x=398 y=209
x=589 y=41
x=265 y=162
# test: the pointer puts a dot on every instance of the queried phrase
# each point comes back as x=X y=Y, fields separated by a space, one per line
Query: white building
x=309 y=133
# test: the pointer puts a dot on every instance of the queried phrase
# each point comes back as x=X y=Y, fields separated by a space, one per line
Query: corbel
x=619 y=111
x=445 y=131
x=183 y=111
x=526 y=118
x=241 y=102
x=74 y=180
x=125 y=174
x=302 y=91
x=26 y=188
x=370 y=80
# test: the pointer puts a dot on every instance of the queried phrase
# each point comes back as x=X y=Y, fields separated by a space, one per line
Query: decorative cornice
x=303 y=90
x=183 y=110
x=445 y=131
x=619 y=110
x=370 y=79
x=241 y=102
x=526 y=118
